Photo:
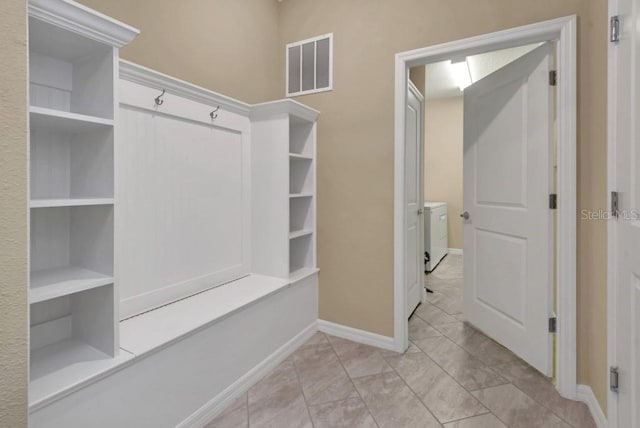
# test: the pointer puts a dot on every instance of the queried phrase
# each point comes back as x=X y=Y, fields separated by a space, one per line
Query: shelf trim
x=301 y=273
x=300 y=233
x=70 y=202
x=286 y=106
x=68 y=286
x=82 y=20
x=301 y=195
x=65 y=115
x=300 y=156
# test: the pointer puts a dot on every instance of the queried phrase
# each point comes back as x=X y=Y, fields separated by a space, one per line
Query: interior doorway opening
x=517 y=42
x=448 y=155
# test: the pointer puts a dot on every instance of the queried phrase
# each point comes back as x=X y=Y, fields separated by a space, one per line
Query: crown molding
x=287 y=106
x=74 y=17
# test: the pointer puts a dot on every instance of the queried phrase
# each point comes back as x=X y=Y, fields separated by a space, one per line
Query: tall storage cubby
x=73 y=70
x=283 y=157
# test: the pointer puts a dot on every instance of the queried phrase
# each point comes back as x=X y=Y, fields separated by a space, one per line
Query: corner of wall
x=13 y=222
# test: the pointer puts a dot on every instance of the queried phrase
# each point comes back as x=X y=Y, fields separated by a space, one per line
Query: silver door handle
x=420 y=211
x=465 y=215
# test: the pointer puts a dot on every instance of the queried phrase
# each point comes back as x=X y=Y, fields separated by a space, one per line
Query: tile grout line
x=545 y=406
x=492 y=367
x=425 y=404
x=247 y=407
x=375 y=421
x=304 y=397
x=448 y=374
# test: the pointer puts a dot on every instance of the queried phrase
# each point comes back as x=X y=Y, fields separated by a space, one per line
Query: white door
x=624 y=257
x=414 y=252
x=507 y=181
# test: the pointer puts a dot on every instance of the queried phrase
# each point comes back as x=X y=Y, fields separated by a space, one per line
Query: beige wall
x=13 y=218
x=355 y=147
x=228 y=46
x=416 y=75
x=443 y=160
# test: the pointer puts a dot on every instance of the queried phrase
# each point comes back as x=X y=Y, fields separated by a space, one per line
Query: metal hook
x=213 y=114
x=159 y=102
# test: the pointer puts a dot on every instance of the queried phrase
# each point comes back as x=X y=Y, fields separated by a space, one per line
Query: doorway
x=562 y=31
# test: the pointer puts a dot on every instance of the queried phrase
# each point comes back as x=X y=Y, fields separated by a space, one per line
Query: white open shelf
x=299 y=233
x=59 y=120
x=69 y=72
x=51 y=283
x=301 y=253
x=300 y=214
x=79 y=202
x=66 y=364
x=71 y=159
x=300 y=176
x=301 y=136
x=73 y=60
x=301 y=195
x=300 y=157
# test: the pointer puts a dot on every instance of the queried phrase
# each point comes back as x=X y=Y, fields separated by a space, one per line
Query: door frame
x=564 y=32
x=614 y=87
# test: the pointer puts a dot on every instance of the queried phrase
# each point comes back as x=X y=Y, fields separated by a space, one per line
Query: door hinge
x=553 y=78
x=553 y=201
x=614 y=29
x=614 y=379
x=615 y=204
x=553 y=325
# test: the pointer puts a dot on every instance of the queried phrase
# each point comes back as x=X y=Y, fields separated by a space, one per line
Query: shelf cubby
x=71 y=163
x=300 y=214
x=301 y=253
x=69 y=72
x=72 y=338
x=300 y=176
x=71 y=250
x=301 y=135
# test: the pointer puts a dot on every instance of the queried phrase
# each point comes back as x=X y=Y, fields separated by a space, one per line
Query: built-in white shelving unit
x=283 y=148
x=73 y=70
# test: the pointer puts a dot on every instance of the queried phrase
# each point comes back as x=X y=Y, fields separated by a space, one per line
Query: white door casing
x=563 y=31
x=624 y=230
x=414 y=197
x=507 y=181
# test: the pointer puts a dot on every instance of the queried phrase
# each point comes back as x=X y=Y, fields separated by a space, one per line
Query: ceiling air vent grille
x=310 y=65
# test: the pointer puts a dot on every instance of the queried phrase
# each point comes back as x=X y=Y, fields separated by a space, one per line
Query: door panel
x=624 y=252
x=413 y=184
x=507 y=180
x=504 y=260
x=501 y=124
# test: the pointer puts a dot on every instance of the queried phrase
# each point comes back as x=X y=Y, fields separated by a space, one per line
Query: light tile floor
x=451 y=376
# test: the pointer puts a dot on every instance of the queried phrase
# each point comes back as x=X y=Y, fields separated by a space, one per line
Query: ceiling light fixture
x=461 y=73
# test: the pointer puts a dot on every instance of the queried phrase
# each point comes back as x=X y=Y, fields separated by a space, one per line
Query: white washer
x=436 y=242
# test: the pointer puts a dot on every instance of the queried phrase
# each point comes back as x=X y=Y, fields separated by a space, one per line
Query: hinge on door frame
x=614 y=379
x=553 y=77
x=553 y=201
x=615 y=204
x=553 y=325
x=614 y=29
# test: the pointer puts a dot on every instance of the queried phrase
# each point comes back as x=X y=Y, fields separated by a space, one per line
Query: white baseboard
x=356 y=335
x=586 y=395
x=214 y=407
x=457 y=251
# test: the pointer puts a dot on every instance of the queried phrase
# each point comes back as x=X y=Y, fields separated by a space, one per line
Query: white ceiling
x=439 y=82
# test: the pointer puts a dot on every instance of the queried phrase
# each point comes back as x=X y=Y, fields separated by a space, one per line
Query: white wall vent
x=310 y=66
